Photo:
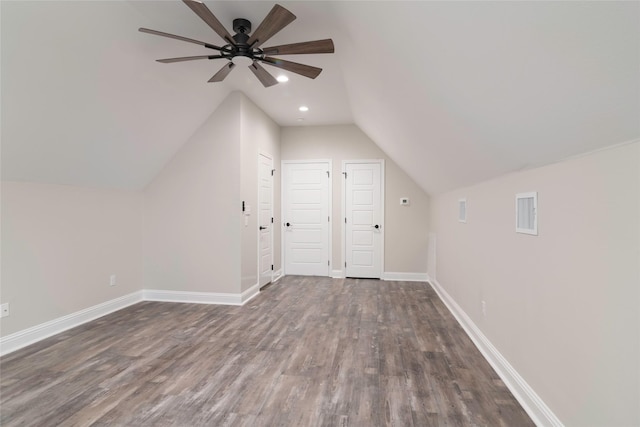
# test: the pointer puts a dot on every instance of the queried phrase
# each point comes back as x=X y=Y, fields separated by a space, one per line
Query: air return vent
x=462 y=210
x=527 y=213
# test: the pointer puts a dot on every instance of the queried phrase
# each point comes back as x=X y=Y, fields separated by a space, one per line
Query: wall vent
x=462 y=210
x=527 y=213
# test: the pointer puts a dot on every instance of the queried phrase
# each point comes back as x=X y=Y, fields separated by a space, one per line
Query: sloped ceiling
x=454 y=92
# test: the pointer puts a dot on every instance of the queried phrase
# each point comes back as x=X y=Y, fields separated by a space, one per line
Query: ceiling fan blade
x=276 y=20
x=224 y=72
x=188 y=58
x=294 y=67
x=184 y=39
x=207 y=16
x=263 y=75
x=317 y=46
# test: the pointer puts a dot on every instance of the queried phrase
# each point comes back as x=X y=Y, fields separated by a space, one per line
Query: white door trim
x=282 y=210
x=343 y=212
x=270 y=157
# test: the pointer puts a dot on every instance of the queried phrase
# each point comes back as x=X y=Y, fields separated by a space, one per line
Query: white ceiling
x=454 y=92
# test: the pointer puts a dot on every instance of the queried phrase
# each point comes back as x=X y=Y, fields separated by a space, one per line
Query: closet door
x=306 y=228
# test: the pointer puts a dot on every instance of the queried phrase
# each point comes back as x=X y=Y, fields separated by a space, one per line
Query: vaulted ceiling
x=454 y=92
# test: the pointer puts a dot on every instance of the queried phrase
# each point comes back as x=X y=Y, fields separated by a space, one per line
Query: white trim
x=23 y=338
x=250 y=293
x=531 y=195
x=192 y=297
x=305 y=161
x=343 y=209
x=330 y=213
x=337 y=274
x=405 y=277
x=539 y=412
x=432 y=259
x=272 y=224
x=383 y=181
x=460 y=203
x=343 y=216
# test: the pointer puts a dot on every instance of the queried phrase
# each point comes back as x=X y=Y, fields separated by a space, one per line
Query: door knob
x=263 y=228
x=376 y=226
x=288 y=224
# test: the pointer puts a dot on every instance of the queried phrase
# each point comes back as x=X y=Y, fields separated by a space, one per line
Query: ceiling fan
x=248 y=46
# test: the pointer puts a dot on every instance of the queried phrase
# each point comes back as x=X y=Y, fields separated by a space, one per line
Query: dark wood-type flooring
x=305 y=352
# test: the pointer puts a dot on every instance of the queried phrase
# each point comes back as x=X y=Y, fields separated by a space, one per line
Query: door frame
x=271 y=233
x=330 y=209
x=343 y=211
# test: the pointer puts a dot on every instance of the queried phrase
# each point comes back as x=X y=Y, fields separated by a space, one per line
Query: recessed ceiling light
x=303 y=108
x=282 y=78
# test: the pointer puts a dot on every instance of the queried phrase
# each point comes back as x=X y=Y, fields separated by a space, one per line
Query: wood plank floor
x=305 y=352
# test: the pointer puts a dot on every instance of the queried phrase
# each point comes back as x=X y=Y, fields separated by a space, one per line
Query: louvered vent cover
x=527 y=213
x=462 y=210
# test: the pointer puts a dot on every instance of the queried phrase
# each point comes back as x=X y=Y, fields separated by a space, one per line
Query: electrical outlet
x=4 y=310
x=484 y=308
x=112 y=280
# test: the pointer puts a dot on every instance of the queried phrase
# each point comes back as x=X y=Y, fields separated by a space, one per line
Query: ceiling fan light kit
x=245 y=44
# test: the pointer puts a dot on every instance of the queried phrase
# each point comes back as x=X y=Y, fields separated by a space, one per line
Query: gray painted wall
x=562 y=306
x=192 y=211
x=61 y=244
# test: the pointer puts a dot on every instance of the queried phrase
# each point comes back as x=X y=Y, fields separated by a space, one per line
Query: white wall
x=406 y=227
x=259 y=134
x=563 y=306
x=193 y=211
x=60 y=244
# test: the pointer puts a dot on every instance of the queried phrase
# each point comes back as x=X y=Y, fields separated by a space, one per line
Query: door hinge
x=345 y=220
x=328 y=219
x=345 y=264
x=345 y=175
x=273 y=171
x=271 y=220
x=328 y=263
x=327 y=174
x=271 y=267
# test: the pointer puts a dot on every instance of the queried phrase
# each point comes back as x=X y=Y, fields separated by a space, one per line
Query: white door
x=305 y=213
x=265 y=219
x=364 y=231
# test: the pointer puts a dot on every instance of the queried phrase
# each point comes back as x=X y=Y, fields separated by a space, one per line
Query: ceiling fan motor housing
x=242 y=28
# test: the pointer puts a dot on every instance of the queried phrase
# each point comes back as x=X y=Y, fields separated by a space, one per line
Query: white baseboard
x=37 y=333
x=524 y=394
x=192 y=297
x=250 y=293
x=337 y=274
x=405 y=277
x=23 y=338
